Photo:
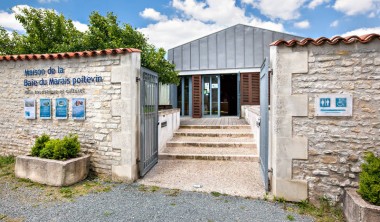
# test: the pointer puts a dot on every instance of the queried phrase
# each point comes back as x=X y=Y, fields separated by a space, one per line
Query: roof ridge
x=331 y=41
x=63 y=55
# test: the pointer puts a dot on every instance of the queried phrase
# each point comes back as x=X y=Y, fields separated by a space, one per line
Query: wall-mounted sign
x=79 y=108
x=30 y=108
x=45 y=108
x=214 y=85
x=207 y=86
x=333 y=105
x=61 y=108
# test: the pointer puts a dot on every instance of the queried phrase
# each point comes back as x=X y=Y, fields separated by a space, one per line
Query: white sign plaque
x=333 y=105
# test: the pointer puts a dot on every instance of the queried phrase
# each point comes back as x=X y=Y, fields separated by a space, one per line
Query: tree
x=5 y=42
x=49 y=32
x=105 y=32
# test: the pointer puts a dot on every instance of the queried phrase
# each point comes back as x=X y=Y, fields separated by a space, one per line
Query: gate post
x=126 y=139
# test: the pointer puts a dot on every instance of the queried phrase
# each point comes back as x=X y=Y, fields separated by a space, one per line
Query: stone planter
x=358 y=210
x=52 y=172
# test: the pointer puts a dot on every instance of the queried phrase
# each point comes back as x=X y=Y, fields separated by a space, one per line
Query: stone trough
x=357 y=210
x=52 y=172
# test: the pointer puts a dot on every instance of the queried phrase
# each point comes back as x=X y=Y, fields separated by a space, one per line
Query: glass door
x=211 y=95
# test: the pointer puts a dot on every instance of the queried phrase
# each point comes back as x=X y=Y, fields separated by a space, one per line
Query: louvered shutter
x=250 y=88
x=197 y=96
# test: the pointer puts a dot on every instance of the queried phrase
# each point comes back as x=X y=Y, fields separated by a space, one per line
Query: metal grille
x=264 y=124
x=149 y=120
x=197 y=96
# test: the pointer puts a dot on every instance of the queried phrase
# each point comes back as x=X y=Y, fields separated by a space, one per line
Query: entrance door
x=211 y=95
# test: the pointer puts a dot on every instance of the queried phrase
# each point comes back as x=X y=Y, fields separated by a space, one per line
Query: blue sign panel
x=61 y=108
x=325 y=102
x=45 y=108
x=333 y=105
x=341 y=102
x=79 y=108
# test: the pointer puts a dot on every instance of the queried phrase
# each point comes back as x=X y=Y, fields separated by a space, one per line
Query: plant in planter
x=364 y=205
x=68 y=147
x=54 y=162
x=369 y=182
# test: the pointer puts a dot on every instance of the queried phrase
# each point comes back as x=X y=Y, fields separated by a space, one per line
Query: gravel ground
x=130 y=203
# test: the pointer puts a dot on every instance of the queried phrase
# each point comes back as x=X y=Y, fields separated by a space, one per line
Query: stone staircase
x=212 y=142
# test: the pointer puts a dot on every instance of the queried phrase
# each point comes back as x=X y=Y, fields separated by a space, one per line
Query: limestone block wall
x=108 y=133
x=329 y=149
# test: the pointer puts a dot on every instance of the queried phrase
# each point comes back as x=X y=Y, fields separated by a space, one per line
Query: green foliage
x=40 y=144
x=290 y=217
x=5 y=42
x=6 y=160
x=71 y=145
x=57 y=149
x=369 y=179
x=48 y=32
x=326 y=212
x=48 y=151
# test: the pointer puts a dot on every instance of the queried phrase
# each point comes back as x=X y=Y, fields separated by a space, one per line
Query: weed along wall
x=325 y=113
x=92 y=94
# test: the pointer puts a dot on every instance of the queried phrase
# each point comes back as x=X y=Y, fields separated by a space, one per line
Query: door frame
x=203 y=96
x=183 y=79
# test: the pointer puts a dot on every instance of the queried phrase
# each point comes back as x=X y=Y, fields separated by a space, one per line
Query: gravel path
x=129 y=203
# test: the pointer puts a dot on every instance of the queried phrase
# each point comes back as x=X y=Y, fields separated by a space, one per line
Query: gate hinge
x=138 y=79
x=258 y=122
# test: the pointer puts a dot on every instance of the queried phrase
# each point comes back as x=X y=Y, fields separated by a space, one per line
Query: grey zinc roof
x=236 y=47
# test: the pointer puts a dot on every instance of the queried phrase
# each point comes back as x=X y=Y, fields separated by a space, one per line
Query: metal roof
x=236 y=47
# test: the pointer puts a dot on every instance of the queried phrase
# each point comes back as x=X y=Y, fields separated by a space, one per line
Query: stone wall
x=334 y=145
x=111 y=109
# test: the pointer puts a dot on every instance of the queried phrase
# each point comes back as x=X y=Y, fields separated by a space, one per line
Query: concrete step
x=216 y=157
x=211 y=150
x=210 y=144
x=215 y=127
x=213 y=133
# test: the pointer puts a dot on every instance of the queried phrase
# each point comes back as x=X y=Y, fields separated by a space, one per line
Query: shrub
x=57 y=149
x=39 y=144
x=48 y=151
x=369 y=179
x=72 y=145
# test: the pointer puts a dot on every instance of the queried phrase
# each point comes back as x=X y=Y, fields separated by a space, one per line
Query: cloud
x=334 y=23
x=302 y=24
x=80 y=26
x=362 y=31
x=286 y=10
x=10 y=23
x=315 y=3
x=47 y=1
x=218 y=11
x=353 y=7
x=194 y=19
x=150 y=13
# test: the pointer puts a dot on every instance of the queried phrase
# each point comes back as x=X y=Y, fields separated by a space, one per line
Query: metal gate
x=149 y=121
x=264 y=121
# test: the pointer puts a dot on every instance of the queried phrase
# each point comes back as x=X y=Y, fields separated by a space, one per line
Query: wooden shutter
x=197 y=96
x=250 y=88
